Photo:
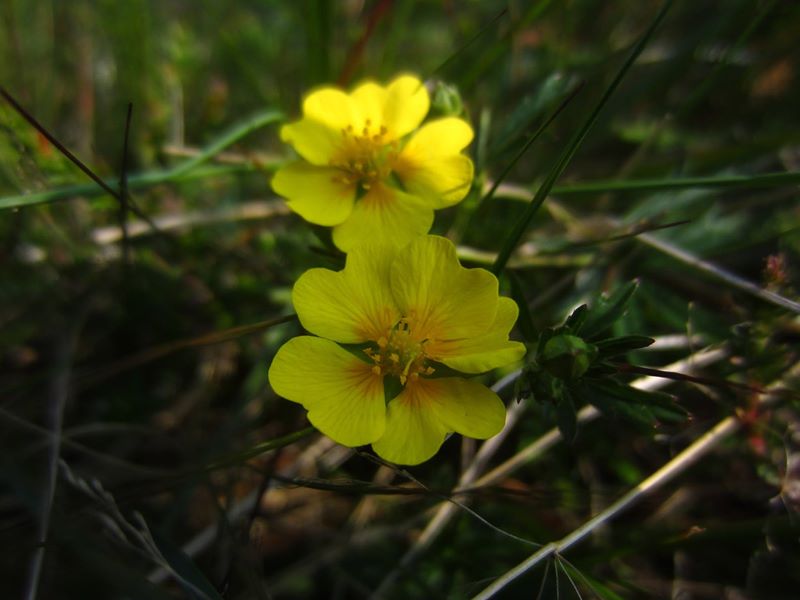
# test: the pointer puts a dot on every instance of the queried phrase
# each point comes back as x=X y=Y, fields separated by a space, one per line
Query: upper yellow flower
x=413 y=315
x=368 y=169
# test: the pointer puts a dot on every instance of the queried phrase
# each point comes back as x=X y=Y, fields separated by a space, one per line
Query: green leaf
x=633 y=402
x=613 y=407
x=622 y=345
x=544 y=337
x=601 y=369
x=607 y=311
x=576 y=320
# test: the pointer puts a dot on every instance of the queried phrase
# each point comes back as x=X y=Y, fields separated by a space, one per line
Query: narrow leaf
x=572 y=147
x=576 y=320
x=602 y=316
x=621 y=345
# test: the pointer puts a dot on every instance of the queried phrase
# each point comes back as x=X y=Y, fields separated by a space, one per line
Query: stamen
x=400 y=354
x=366 y=157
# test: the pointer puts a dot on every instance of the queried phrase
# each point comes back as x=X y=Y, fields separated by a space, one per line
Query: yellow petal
x=405 y=105
x=484 y=352
x=369 y=98
x=315 y=193
x=442 y=181
x=317 y=137
x=332 y=107
x=384 y=214
x=441 y=137
x=430 y=164
x=441 y=299
x=418 y=420
x=413 y=434
x=344 y=398
x=463 y=405
x=399 y=107
x=351 y=306
x=316 y=142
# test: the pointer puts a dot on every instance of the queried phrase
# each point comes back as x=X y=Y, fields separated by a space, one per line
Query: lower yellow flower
x=412 y=316
x=367 y=168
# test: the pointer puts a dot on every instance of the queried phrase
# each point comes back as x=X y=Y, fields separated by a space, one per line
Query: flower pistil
x=364 y=158
x=400 y=354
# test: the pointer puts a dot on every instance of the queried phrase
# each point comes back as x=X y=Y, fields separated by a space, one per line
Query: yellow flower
x=368 y=169
x=412 y=316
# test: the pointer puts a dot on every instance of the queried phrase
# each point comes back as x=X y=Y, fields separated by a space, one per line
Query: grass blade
x=572 y=147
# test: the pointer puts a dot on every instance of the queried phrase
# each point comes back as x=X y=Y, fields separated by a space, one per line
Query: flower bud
x=567 y=356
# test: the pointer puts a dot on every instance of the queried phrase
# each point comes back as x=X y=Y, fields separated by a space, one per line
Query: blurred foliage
x=139 y=350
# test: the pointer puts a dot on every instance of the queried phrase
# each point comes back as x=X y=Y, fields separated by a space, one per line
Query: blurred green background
x=148 y=356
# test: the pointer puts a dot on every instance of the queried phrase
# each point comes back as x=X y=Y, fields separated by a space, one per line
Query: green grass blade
x=135 y=182
x=528 y=143
x=245 y=455
x=572 y=147
x=651 y=185
x=185 y=170
x=483 y=30
x=230 y=137
x=318 y=22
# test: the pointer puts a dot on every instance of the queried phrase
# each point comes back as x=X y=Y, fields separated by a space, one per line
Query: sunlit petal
x=344 y=398
x=350 y=306
x=441 y=137
x=405 y=105
x=384 y=214
x=413 y=434
x=314 y=141
x=315 y=193
x=462 y=405
x=483 y=352
x=332 y=107
x=430 y=164
x=443 y=181
x=442 y=299
x=370 y=98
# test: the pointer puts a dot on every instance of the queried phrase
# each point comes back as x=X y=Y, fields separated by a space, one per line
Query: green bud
x=567 y=356
x=446 y=100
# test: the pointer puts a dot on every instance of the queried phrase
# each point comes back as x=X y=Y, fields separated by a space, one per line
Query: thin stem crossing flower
x=367 y=168
x=400 y=329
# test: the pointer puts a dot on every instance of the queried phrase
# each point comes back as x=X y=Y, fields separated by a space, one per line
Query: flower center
x=365 y=157
x=400 y=354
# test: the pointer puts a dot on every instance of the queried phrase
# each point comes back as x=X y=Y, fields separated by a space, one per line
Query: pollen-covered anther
x=365 y=157
x=400 y=354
